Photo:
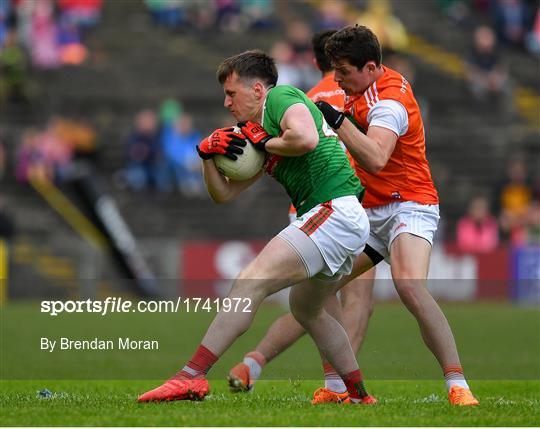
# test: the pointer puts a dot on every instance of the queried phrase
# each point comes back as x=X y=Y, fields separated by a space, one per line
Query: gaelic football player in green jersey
x=313 y=252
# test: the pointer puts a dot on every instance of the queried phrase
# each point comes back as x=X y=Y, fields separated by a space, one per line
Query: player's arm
x=299 y=136
x=388 y=120
x=372 y=150
x=223 y=141
x=300 y=133
x=220 y=188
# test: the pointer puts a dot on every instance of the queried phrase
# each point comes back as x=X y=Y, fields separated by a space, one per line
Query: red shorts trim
x=318 y=218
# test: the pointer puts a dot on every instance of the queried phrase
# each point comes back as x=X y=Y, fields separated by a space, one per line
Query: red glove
x=255 y=133
x=223 y=141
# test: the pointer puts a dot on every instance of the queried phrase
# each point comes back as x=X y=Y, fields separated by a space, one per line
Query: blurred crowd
x=44 y=35
x=225 y=15
x=498 y=25
x=47 y=152
x=512 y=217
x=159 y=145
x=515 y=23
x=161 y=152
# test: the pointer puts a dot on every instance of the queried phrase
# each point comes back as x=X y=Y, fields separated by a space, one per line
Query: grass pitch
x=499 y=345
x=272 y=403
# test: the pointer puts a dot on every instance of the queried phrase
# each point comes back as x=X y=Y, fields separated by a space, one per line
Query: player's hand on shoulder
x=333 y=117
x=223 y=141
x=255 y=133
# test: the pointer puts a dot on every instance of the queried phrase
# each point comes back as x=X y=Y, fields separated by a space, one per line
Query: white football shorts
x=390 y=220
x=339 y=229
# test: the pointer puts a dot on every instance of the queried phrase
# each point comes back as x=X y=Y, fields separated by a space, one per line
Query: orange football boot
x=461 y=396
x=178 y=390
x=239 y=379
x=326 y=396
x=368 y=400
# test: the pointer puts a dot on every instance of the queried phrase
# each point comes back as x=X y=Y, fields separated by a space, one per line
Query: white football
x=245 y=167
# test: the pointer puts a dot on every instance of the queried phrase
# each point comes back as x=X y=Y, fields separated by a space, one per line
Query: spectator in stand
x=183 y=164
x=258 y=13
x=142 y=151
x=486 y=72
x=30 y=159
x=228 y=16
x=511 y=20
x=14 y=70
x=389 y=29
x=332 y=14
x=81 y=13
x=71 y=50
x=514 y=199
x=6 y=18
x=533 y=38
x=78 y=135
x=57 y=152
x=478 y=231
x=299 y=38
x=43 y=36
x=169 y=111
x=168 y=13
x=288 y=72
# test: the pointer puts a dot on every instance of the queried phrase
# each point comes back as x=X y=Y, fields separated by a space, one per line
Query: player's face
x=241 y=98
x=353 y=80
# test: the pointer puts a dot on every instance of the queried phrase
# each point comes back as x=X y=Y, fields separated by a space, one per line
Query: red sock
x=329 y=371
x=198 y=366
x=453 y=371
x=355 y=385
x=453 y=376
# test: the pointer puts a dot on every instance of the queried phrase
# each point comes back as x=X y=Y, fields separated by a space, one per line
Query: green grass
x=499 y=346
x=273 y=403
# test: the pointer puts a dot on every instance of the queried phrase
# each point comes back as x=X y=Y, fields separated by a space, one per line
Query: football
x=245 y=167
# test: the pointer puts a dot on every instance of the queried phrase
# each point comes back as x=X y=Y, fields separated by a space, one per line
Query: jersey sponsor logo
x=326 y=94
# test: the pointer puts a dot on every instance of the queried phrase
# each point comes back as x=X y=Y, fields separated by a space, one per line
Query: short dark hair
x=249 y=65
x=318 y=41
x=355 y=44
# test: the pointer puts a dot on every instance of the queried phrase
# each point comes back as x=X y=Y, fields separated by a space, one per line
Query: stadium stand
x=139 y=64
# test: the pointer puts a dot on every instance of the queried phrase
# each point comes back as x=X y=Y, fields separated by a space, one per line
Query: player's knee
x=411 y=291
x=302 y=310
x=249 y=288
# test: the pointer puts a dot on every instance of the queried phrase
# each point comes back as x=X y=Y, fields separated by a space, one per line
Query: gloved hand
x=255 y=133
x=333 y=117
x=223 y=141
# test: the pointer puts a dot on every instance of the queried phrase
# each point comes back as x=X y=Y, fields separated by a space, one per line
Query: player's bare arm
x=220 y=188
x=371 y=151
x=300 y=133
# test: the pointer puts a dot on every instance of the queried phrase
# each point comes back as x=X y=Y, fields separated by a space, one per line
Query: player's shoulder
x=285 y=90
x=390 y=85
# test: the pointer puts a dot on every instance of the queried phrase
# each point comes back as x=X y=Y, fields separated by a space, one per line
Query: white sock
x=254 y=368
x=335 y=384
x=457 y=382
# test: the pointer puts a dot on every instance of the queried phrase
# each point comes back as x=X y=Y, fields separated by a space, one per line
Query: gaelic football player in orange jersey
x=356 y=297
x=401 y=199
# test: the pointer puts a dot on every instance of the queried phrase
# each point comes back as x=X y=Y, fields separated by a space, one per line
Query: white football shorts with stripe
x=340 y=229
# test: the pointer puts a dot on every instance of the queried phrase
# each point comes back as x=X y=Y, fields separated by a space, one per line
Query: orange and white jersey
x=389 y=103
x=326 y=90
